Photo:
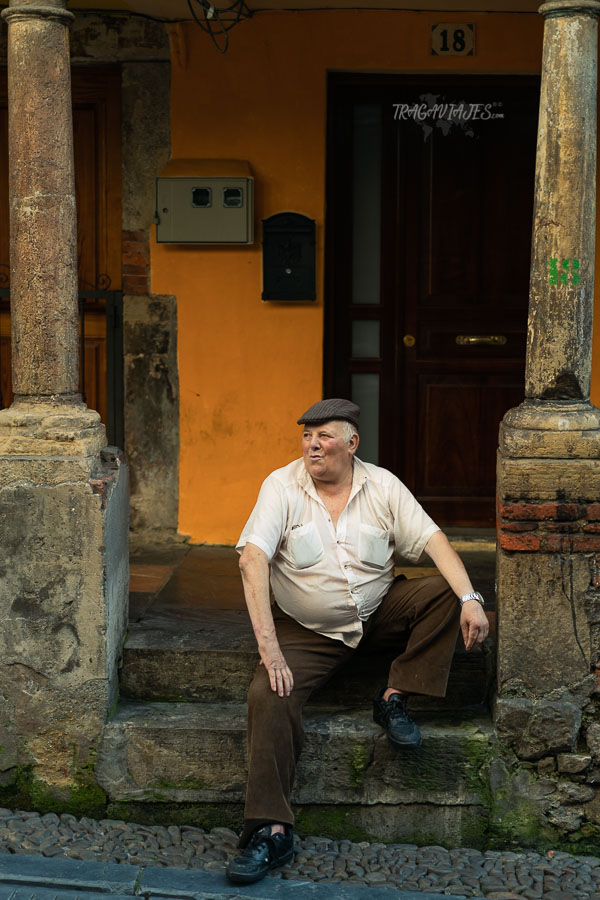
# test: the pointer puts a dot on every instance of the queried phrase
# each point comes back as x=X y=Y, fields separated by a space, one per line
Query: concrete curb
x=38 y=878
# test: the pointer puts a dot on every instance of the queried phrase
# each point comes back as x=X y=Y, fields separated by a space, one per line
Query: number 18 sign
x=452 y=39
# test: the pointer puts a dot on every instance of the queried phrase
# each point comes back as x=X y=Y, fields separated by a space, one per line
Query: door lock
x=409 y=340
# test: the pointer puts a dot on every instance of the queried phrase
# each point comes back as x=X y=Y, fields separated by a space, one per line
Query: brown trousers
x=419 y=616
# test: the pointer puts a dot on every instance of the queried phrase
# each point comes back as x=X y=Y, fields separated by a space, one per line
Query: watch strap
x=473 y=595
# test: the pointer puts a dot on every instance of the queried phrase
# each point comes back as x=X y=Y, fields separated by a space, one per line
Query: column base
x=39 y=435
x=63 y=597
x=551 y=430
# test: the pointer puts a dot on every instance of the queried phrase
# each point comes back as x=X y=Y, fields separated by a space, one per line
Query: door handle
x=473 y=340
x=409 y=340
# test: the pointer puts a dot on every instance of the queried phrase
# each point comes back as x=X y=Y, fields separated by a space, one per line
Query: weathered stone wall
x=151 y=412
x=546 y=786
x=150 y=321
x=63 y=602
x=113 y=487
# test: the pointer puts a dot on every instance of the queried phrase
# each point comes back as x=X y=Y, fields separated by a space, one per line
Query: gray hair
x=348 y=430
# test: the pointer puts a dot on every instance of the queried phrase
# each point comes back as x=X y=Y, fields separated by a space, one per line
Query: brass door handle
x=409 y=340
x=472 y=340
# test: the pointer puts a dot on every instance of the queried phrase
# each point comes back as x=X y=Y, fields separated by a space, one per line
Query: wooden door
x=96 y=140
x=429 y=236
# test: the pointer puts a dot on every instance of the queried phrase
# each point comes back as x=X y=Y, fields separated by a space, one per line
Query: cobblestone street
x=405 y=867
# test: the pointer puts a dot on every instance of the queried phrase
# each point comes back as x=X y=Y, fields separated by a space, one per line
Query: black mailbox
x=288 y=257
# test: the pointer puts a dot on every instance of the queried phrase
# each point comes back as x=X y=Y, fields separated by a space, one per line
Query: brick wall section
x=136 y=262
x=549 y=527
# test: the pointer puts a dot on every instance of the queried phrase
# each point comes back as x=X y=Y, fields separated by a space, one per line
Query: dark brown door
x=430 y=195
x=96 y=140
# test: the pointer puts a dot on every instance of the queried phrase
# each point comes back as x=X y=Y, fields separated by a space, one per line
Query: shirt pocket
x=305 y=545
x=373 y=544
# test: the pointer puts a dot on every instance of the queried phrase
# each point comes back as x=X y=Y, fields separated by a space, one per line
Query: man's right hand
x=280 y=674
x=254 y=567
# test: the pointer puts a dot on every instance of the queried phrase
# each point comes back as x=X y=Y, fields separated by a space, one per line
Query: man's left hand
x=474 y=624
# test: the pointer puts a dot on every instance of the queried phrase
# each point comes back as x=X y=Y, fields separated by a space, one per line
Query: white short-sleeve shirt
x=332 y=579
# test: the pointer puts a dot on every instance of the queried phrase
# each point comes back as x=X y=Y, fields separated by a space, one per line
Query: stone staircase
x=175 y=748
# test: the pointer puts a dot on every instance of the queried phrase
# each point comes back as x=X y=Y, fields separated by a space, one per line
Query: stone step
x=195 y=753
x=214 y=658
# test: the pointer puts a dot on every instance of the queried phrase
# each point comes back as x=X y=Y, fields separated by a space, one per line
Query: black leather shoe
x=263 y=852
x=393 y=716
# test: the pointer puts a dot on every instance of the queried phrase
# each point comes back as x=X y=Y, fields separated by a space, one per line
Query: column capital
x=20 y=10
x=553 y=8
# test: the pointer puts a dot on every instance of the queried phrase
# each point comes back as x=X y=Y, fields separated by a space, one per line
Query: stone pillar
x=63 y=495
x=549 y=456
x=43 y=227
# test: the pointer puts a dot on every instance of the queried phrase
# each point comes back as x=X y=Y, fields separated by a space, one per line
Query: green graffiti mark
x=576 y=278
x=569 y=270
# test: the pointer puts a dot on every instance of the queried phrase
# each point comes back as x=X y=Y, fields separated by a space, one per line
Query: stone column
x=63 y=495
x=549 y=456
x=43 y=227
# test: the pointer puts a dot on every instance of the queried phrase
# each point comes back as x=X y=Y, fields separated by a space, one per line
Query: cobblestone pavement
x=502 y=875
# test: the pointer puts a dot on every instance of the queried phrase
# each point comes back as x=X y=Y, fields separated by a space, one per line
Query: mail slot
x=289 y=257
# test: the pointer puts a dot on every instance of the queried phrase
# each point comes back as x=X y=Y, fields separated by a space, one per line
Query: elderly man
x=330 y=527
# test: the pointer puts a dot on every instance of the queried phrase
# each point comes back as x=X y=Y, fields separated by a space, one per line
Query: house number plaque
x=452 y=39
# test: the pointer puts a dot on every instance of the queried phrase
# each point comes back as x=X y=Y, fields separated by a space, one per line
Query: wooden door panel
x=94 y=362
x=458 y=451
x=6 y=394
x=508 y=181
x=447 y=456
x=84 y=149
x=451 y=184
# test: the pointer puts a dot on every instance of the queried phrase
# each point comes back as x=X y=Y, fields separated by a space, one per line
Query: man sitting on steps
x=330 y=527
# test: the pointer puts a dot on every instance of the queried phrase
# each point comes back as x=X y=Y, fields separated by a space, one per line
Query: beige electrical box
x=205 y=201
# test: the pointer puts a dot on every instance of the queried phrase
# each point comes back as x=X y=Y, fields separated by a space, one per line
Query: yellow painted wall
x=248 y=369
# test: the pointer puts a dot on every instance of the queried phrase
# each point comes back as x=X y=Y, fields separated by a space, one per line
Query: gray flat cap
x=336 y=408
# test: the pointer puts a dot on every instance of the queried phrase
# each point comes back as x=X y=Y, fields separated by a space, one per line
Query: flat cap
x=336 y=408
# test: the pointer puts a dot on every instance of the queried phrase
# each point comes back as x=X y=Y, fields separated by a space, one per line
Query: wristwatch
x=475 y=595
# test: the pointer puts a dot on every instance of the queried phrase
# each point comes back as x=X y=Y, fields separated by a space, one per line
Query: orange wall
x=248 y=369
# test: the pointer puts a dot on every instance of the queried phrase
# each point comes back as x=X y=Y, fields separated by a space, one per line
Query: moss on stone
x=358 y=763
x=479 y=752
x=82 y=797
x=335 y=822
x=475 y=830
x=522 y=826
x=199 y=815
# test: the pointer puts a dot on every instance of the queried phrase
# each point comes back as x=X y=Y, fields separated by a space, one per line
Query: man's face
x=327 y=456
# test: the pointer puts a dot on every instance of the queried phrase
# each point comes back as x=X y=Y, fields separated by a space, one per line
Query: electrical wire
x=212 y=22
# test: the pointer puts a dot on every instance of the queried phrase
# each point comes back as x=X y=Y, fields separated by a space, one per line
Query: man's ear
x=353 y=443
